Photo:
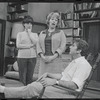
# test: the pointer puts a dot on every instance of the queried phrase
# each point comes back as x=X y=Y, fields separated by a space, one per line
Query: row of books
x=90 y=14
x=69 y=24
x=66 y=20
x=83 y=6
x=65 y=16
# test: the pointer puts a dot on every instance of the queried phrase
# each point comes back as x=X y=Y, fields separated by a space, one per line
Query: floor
x=89 y=93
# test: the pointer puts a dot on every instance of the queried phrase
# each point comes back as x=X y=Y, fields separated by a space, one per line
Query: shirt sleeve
x=81 y=74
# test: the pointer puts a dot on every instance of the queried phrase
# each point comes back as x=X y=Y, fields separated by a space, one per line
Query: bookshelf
x=67 y=25
x=85 y=12
x=16 y=11
x=70 y=27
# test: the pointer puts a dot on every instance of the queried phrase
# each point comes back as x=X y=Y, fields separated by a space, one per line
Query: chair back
x=94 y=60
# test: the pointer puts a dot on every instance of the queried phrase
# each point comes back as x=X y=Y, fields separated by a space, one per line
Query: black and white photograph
x=49 y=50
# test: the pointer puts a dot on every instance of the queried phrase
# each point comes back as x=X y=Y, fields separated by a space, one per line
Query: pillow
x=15 y=66
x=12 y=75
x=15 y=75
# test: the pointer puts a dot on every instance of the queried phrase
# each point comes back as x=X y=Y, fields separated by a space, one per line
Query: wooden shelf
x=86 y=19
x=17 y=3
x=86 y=10
x=68 y=28
x=77 y=36
x=14 y=11
x=15 y=20
x=68 y=19
x=19 y=11
x=68 y=36
x=11 y=45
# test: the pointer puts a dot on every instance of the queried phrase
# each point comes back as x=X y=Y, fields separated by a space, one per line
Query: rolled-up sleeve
x=81 y=75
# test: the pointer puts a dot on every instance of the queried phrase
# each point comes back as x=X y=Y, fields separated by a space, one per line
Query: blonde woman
x=51 y=45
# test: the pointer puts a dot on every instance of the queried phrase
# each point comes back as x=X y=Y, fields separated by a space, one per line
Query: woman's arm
x=20 y=45
x=33 y=37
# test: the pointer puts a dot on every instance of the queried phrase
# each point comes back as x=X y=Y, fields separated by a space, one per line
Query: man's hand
x=45 y=75
x=47 y=82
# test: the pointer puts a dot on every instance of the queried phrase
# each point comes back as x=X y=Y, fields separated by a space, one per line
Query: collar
x=79 y=59
x=46 y=31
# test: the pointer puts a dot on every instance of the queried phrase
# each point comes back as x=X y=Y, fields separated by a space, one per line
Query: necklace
x=50 y=31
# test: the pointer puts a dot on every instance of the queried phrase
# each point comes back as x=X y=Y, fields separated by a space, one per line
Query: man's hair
x=48 y=17
x=82 y=45
x=27 y=19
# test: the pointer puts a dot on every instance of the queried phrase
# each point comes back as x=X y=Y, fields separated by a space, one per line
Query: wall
x=3 y=14
x=3 y=10
x=39 y=11
x=61 y=7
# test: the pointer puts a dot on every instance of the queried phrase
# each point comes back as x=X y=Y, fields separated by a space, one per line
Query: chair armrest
x=67 y=89
x=60 y=87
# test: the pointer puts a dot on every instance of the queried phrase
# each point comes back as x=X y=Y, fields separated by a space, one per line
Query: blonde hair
x=54 y=13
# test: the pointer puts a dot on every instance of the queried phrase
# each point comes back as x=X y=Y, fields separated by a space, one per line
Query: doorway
x=2 y=43
x=91 y=33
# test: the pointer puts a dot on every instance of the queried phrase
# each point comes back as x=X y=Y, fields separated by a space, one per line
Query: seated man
x=72 y=77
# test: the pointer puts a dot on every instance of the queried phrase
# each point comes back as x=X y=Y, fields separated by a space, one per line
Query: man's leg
x=28 y=91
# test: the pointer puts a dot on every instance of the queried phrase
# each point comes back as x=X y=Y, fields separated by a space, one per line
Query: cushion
x=12 y=75
x=15 y=75
x=15 y=66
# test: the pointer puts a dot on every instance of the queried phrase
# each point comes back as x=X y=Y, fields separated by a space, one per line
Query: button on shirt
x=77 y=71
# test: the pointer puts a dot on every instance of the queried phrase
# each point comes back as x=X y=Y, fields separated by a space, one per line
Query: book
x=76 y=24
x=96 y=5
x=89 y=6
x=75 y=7
x=79 y=5
x=85 y=6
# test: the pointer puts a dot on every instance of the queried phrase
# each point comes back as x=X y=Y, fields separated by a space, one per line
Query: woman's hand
x=51 y=58
x=47 y=82
x=45 y=59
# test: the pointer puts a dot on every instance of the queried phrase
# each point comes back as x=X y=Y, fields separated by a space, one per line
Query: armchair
x=94 y=60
